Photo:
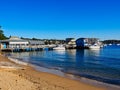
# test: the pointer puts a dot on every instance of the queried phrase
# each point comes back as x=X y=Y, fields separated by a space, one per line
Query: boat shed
x=86 y=42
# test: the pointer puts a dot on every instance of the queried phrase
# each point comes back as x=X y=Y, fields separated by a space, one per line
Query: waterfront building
x=16 y=43
x=13 y=42
x=36 y=43
x=70 y=43
x=86 y=42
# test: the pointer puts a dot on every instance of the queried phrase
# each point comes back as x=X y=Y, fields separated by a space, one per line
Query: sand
x=23 y=77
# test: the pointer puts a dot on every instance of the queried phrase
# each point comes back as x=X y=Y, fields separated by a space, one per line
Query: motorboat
x=110 y=44
x=94 y=47
x=59 y=47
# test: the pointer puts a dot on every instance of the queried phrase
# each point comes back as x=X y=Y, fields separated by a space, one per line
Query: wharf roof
x=17 y=39
x=36 y=42
x=14 y=39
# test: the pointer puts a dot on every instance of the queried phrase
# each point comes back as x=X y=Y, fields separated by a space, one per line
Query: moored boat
x=94 y=47
x=60 y=47
x=118 y=44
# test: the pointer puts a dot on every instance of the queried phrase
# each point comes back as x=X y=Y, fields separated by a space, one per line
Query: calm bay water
x=102 y=65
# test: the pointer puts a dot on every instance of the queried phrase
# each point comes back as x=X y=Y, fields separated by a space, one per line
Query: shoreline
x=74 y=77
x=77 y=78
x=32 y=75
x=66 y=75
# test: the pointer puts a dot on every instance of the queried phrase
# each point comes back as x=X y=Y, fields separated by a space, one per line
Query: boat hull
x=59 y=48
x=94 y=47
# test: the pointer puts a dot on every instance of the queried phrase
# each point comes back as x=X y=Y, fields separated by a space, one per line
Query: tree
x=2 y=36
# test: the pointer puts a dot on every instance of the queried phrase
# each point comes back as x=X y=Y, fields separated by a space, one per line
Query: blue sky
x=60 y=19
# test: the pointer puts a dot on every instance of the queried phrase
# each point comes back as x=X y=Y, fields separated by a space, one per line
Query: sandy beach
x=20 y=77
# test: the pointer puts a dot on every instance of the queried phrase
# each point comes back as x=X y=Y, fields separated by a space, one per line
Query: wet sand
x=23 y=77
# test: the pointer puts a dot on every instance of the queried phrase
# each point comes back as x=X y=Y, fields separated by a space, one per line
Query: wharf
x=21 y=49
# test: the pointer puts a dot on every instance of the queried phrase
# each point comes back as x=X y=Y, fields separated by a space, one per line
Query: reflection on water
x=92 y=52
x=71 y=52
x=60 y=52
x=95 y=52
x=102 y=65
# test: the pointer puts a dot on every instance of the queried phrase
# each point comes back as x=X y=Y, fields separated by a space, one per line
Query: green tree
x=2 y=36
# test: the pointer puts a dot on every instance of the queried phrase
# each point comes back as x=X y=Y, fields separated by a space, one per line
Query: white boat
x=60 y=47
x=94 y=47
x=110 y=44
x=118 y=44
x=105 y=45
